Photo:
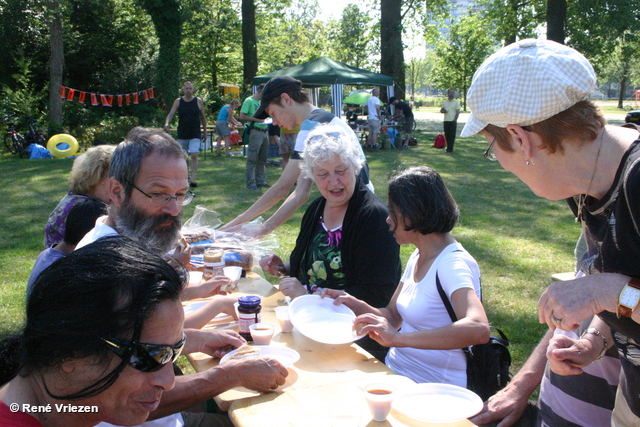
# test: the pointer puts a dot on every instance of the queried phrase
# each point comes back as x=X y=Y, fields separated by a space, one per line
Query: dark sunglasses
x=146 y=357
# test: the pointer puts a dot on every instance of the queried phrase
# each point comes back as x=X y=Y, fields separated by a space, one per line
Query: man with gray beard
x=149 y=184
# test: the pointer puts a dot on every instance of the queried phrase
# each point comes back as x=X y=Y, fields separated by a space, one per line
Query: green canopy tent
x=327 y=72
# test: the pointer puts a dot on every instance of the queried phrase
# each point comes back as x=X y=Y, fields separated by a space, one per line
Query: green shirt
x=249 y=107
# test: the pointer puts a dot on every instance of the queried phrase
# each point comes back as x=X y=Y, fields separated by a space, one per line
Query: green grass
x=518 y=239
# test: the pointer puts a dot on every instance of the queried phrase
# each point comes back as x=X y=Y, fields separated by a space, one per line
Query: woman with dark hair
x=425 y=345
x=103 y=325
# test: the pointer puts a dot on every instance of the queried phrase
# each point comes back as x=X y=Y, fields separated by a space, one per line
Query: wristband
x=594 y=331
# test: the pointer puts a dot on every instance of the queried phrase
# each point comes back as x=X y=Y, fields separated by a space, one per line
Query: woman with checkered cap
x=529 y=100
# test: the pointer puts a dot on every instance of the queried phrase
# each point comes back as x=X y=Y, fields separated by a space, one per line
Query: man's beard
x=132 y=222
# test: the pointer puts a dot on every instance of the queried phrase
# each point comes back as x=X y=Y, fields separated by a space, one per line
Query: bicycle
x=13 y=141
x=34 y=136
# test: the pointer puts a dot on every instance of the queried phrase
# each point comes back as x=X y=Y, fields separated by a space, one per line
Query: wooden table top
x=324 y=377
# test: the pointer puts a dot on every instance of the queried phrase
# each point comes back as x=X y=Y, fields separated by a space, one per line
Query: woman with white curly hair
x=344 y=241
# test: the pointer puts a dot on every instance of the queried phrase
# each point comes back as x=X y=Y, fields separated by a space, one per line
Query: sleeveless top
x=223 y=115
x=189 y=119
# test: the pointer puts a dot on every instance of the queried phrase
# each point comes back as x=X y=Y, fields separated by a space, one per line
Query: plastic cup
x=195 y=277
x=261 y=333
x=379 y=397
x=233 y=273
x=282 y=314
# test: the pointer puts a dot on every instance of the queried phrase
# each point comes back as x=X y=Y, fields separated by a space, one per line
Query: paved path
x=432 y=122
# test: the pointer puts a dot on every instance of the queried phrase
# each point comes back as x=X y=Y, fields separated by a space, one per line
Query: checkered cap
x=525 y=83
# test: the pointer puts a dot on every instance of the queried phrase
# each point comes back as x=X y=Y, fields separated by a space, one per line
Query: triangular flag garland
x=106 y=100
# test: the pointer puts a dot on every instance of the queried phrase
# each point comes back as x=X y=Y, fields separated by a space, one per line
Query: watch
x=629 y=298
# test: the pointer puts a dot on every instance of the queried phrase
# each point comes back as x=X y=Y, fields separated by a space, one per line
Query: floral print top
x=323 y=259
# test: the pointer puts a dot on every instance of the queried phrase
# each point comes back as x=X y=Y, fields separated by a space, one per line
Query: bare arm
x=232 y=120
x=203 y=118
x=174 y=108
x=245 y=118
x=295 y=200
x=218 y=304
x=256 y=373
x=455 y=119
x=510 y=403
x=273 y=195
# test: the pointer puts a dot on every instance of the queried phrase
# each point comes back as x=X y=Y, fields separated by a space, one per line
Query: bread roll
x=358 y=327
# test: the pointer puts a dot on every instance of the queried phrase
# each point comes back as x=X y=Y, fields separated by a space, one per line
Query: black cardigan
x=370 y=254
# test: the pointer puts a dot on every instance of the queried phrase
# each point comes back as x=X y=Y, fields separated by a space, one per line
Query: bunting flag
x=105 y=100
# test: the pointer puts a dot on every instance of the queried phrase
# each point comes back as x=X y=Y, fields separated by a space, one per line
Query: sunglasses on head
x=145 y=357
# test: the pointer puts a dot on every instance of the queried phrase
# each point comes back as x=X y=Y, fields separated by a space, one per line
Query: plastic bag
x=203 y=217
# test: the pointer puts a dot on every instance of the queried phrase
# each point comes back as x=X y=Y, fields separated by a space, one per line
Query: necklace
x=583 y=197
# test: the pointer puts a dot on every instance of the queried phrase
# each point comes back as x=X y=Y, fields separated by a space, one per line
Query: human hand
x=567 y=356
x=507 y=405
x=378 y=328
x=182 y=254
x=257 y=373
x=339 y=297
x=564 y=304
x=291 y=287
x=207 y=288
x=214 y=342
x=443 y=110
x=273 y=265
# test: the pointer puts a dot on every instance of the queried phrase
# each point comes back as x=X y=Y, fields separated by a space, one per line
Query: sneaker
x=193 y=184
x=252 y=187
x=265 y=185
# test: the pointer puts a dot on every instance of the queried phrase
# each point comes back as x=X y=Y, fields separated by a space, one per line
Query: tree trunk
x=623 y=88
x=249 y=41
x=391 y=48
x=556 y=16
x=56 y=66
x=514 y=6
x=167 y=21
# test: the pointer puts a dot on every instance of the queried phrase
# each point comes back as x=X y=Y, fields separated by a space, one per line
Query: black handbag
x=487 y=364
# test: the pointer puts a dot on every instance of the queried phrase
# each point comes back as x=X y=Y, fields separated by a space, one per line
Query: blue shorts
x=190 y=145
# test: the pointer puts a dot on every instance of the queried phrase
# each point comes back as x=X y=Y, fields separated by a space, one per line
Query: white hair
x=325 y=142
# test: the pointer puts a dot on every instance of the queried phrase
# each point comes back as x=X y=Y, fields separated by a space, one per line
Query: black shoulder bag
x=487 y=364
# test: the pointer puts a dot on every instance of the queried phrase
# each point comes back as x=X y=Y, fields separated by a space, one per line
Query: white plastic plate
x=317 y=318
x=437 y=403
x=285 y=356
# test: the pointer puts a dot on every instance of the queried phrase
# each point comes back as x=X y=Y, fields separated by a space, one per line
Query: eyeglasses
x=145 y=357
x=161 y=199
x=489 y=154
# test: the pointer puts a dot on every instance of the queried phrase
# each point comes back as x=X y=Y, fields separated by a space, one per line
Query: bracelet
x=594 y=331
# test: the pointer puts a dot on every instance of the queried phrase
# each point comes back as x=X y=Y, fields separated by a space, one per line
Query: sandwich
x=245 y=351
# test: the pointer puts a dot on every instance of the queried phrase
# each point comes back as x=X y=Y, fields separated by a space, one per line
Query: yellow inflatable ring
x=62 y=145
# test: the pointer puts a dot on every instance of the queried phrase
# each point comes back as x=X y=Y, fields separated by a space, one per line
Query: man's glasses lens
x=146 y=357
x=161 y=199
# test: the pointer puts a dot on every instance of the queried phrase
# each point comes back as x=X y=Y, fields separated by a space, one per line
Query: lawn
x=518 y=239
